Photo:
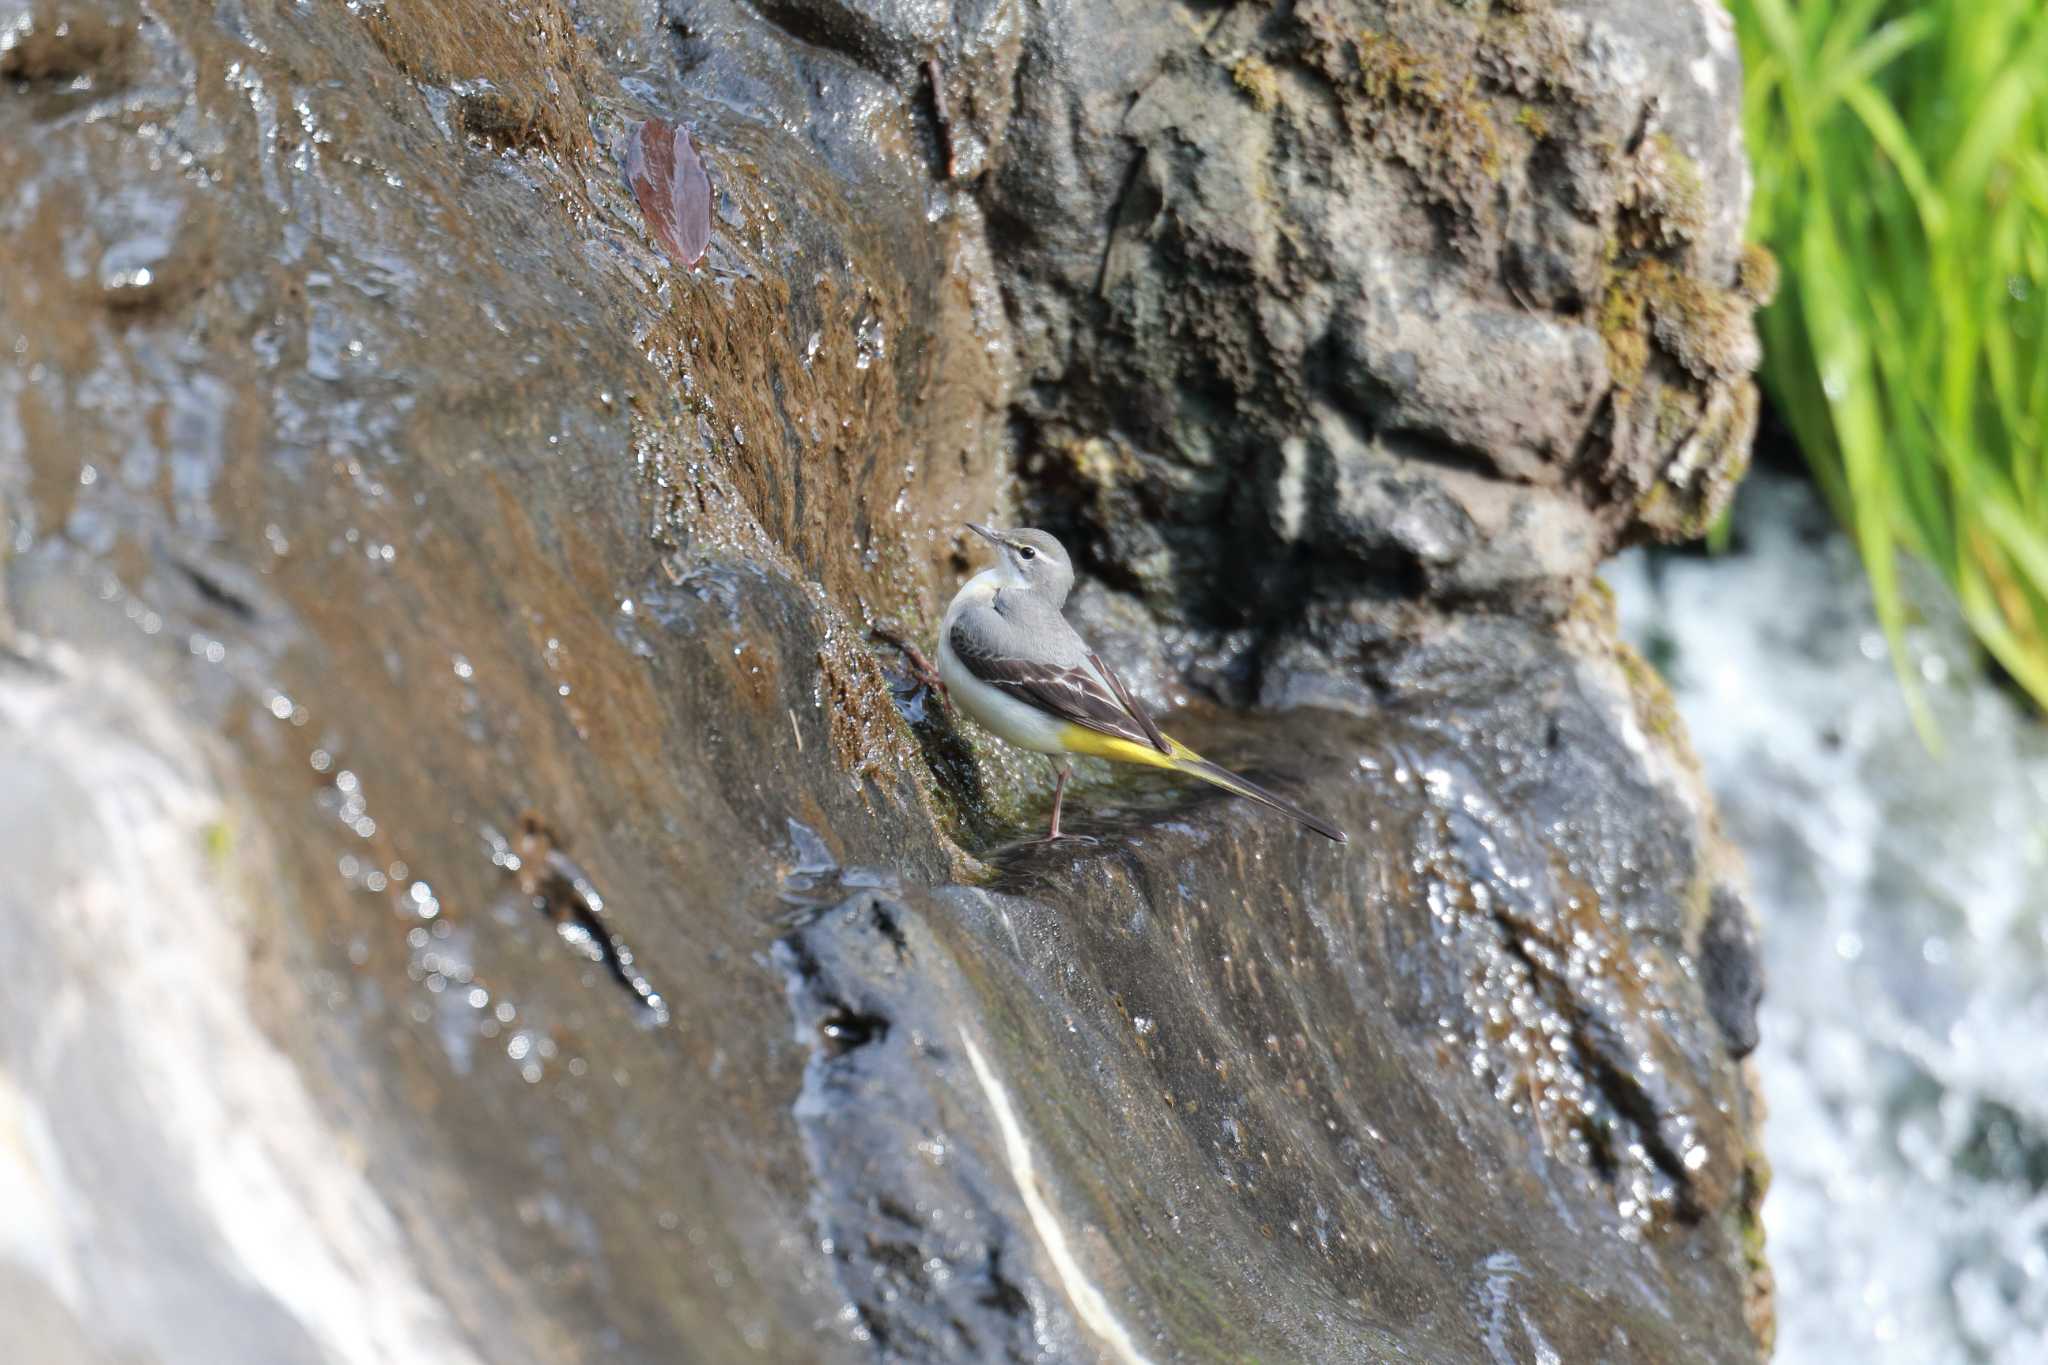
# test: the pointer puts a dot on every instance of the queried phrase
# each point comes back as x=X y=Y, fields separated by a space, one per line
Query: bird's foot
x=919 y=663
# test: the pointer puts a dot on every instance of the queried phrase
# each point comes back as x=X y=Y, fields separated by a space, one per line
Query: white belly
x=1018 y=722
x=1015 y=721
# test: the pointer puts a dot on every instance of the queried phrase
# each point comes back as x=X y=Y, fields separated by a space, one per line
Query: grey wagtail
x=1011 y=661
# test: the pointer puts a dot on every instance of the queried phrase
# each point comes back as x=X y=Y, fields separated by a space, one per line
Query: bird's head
x=1030 y=559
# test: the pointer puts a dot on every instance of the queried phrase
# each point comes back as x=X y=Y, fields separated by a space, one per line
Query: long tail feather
x=1186 y=760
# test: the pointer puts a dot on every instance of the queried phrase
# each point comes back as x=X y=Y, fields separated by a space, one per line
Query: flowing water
x=1904 y=1057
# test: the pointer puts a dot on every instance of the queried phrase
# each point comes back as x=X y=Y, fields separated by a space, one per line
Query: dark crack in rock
x=916 y=1206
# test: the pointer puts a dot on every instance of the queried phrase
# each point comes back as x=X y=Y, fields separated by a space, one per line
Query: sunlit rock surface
x=484 y=886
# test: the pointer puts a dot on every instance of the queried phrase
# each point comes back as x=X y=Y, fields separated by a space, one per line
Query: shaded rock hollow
x=429 y=611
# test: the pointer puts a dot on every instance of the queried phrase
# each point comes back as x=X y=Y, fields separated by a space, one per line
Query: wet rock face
x=492 y=893
x=1286 y=1067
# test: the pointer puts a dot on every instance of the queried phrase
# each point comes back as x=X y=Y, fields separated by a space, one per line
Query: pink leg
x=1059 y=796
x=921 y=667
x=924 y=670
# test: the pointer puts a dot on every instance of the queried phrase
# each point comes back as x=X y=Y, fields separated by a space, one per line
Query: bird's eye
x=1026 y=552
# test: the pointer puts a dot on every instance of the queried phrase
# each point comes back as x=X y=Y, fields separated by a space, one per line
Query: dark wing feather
x=1137 y=712
x=1073 y=694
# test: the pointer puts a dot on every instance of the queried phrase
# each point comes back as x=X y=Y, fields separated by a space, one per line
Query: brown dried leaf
x=674 y=193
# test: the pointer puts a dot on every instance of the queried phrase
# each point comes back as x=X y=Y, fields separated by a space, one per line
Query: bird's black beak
x=990 y=536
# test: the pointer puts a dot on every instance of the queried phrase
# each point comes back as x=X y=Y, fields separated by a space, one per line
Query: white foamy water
x=1904 y=906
